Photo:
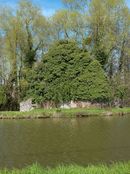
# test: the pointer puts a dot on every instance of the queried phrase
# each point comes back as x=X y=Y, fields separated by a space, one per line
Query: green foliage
x=35 y=83
x=101 y=56
x=92 y=84
x=2 y=95
x=121 y=91
x=68 y=73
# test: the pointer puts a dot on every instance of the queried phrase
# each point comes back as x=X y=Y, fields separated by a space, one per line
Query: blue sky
x=48 y=6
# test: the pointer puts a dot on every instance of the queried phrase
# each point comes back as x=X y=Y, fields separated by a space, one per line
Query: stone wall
x=26 y=106
x=79 y=104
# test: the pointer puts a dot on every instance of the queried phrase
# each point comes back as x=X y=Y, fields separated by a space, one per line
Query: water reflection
x=51 y=142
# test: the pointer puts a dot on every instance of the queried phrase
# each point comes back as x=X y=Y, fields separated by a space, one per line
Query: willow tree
x=68 y=25
x=106 y=29
x=78 y=5
x=9 y=37
x=103 y=21
x=34 y=31
x=109 y=23
x=24 y=33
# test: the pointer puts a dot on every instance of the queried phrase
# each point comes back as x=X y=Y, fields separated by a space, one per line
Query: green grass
x=120 y=168
x=78 y=112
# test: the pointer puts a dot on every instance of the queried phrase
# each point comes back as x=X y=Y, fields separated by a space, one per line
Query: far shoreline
x=65 y=113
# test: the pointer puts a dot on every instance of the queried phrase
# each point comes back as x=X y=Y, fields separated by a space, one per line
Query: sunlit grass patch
x=118 y=168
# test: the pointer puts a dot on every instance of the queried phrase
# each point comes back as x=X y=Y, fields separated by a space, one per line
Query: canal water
x=51 y=142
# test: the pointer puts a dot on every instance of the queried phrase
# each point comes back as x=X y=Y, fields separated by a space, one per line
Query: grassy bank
x=120 y=168
x=79 y=112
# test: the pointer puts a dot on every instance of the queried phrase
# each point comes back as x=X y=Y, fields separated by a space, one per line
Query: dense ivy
x=2 y=95
x=68 y=73
x=92 y=84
